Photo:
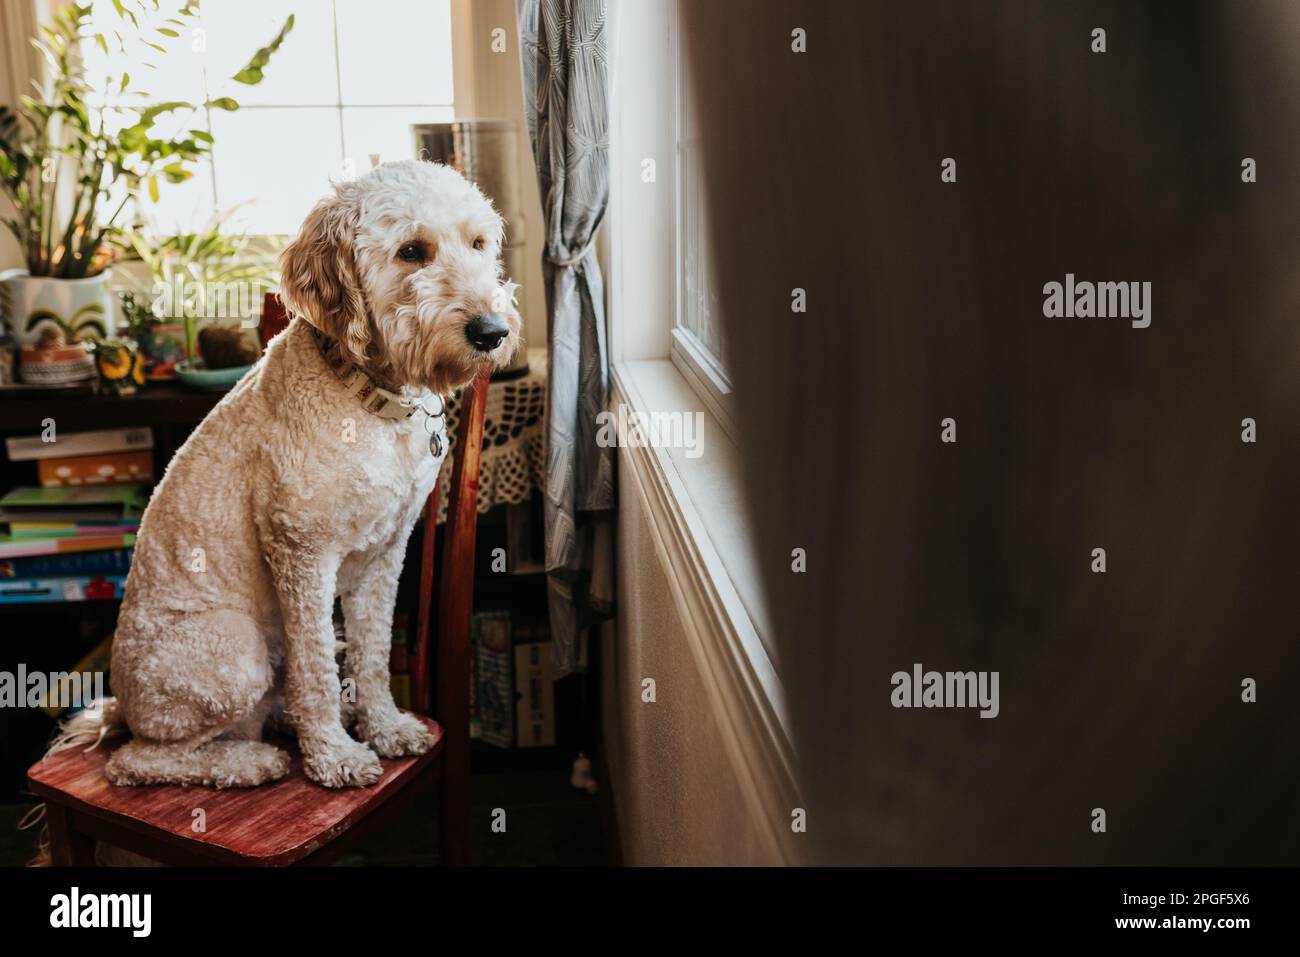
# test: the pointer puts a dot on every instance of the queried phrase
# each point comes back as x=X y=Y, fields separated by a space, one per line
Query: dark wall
x=925 y=300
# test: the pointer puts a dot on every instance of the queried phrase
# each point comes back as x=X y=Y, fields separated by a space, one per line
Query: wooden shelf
x=163 y=403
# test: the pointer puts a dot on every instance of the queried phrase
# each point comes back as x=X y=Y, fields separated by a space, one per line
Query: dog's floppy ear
x=318 y=278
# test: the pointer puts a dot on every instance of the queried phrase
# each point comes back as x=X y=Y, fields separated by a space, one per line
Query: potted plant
x=161 y=346
x=210 y=275
x=71 y=175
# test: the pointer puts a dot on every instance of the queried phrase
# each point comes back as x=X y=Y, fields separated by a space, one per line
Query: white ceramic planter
x=82 y=308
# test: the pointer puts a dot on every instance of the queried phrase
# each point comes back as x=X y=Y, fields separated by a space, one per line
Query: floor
x=547 y=821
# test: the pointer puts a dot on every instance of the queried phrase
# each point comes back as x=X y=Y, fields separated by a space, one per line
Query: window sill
x=697 y=513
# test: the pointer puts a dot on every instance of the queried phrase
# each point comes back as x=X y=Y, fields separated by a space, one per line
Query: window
x=698 y=346
x=347 y=84
x=670 y=355
x=668 y=347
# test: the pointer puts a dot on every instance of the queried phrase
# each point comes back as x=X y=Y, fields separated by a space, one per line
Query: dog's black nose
x=486 y=331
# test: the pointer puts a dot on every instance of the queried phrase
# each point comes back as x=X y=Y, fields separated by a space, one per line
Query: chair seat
x=272 y=825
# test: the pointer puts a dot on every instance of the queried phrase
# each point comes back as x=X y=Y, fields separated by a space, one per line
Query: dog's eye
x=411 y=253
x=479 y=243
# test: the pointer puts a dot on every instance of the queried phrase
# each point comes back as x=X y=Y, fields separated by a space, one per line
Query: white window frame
x=703 y=370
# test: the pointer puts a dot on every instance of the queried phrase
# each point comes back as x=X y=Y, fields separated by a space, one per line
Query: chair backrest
x=455 y=612
x=274 y=319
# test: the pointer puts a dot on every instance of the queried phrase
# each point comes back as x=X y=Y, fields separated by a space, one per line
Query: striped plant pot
x=80 y=308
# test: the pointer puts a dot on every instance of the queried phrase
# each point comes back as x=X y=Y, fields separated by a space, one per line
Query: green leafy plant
x=201 y=271
x=59 y=144
x=139 y=317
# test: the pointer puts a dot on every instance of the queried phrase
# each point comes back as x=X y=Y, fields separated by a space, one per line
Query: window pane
x=386 y=131
x=174 y=75
x=698 y=310
x=301 y=72
x=181 y=207
x=284 y=178
x=395 y=51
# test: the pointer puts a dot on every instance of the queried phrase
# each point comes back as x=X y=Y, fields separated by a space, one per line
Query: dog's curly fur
x=290 y=494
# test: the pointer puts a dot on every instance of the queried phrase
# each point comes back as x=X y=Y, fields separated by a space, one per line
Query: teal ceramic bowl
x=209 y=380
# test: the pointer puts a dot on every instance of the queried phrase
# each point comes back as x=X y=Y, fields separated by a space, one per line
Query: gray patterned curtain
x=562 y=46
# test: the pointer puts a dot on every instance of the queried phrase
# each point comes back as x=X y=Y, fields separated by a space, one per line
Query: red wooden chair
x=295 y=821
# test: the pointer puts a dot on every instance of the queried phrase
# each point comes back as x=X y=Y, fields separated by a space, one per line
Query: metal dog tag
x=433 y=424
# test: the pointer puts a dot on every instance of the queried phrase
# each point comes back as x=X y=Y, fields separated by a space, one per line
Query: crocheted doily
x=514 y=440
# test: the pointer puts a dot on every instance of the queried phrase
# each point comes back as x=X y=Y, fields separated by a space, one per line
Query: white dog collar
x=379 y=401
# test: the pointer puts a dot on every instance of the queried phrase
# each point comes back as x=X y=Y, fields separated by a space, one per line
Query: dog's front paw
x=397 y=736
x=341 y=764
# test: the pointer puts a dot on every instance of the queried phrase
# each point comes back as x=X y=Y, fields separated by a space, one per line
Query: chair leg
x=68 y=847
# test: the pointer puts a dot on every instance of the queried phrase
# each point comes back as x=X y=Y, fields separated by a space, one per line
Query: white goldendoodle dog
x=303 y=484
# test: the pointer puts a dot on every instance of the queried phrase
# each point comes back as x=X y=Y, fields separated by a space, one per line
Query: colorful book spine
x=119 y=500
x=27 y=448
x=22 y=547
x=109 y=468
x=116 y=561
x=26 y=591
x=29 y=530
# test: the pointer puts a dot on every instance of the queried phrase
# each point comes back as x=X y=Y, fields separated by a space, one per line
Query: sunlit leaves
x=251 y=74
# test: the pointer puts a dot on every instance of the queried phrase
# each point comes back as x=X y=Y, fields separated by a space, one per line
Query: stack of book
x=67 y=544
x=71 y=539
x=104 y=457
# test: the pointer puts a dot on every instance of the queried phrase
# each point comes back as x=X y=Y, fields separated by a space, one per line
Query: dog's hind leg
x=195 y=701
x=217 y=764
x=250 y=727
